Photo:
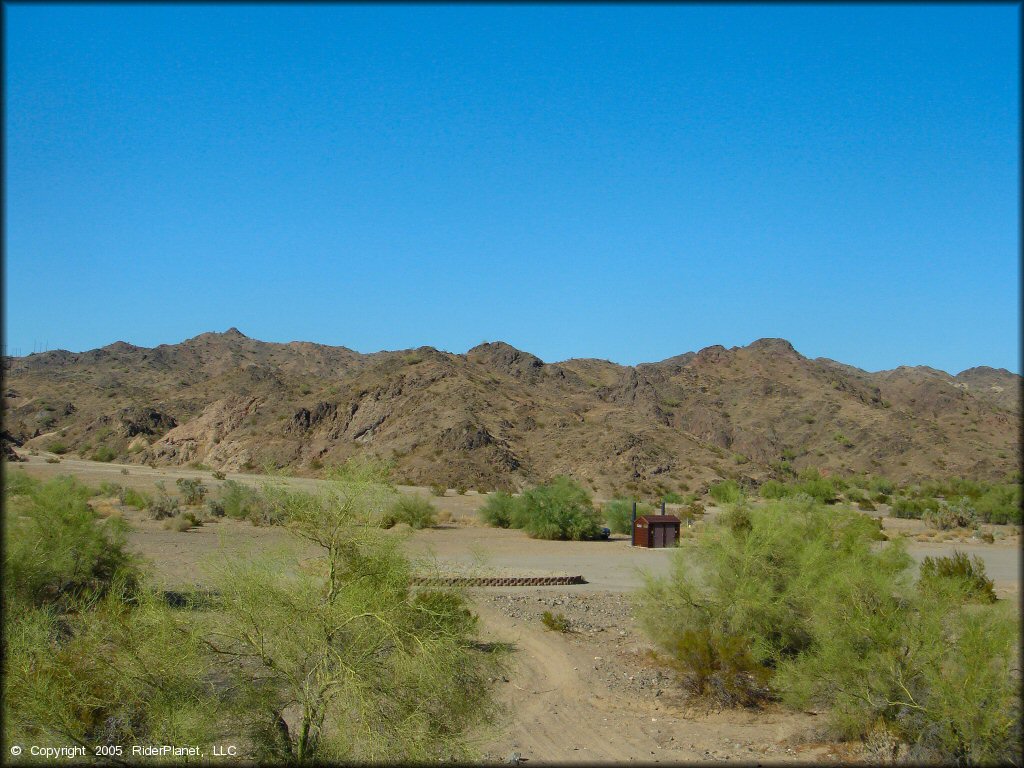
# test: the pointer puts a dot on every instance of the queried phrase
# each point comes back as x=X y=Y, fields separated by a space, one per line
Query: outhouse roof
x=659 y=518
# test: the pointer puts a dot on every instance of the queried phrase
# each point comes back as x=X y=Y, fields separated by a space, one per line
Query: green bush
x=833 y=623
x=133 y=498
x=438 y=489
x=17 y=482
x=57 y=447
x=967 y=574
x=618 y=514
x=555 y=622
x=959 y=514
x=726 y=492
x=375 y=671
x=498 y=510
x=773 y=489
x=415 y=511
x=192 y=490
x=214 y=508
x=123 y=670
x=1000 y=504
x=718 y=666
x=671 y=497
x=560 y=509
x=815 y=485
x=219 y=475
x=164 y=506
x=104 y=453
x=244 y=503
x=913 y=509
x=57 y=549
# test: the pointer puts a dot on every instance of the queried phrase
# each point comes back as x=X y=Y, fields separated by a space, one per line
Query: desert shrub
x=415 y=511
x=958 y=514
x=214 y=508
x=57 y=447
x=671 y=497
x=438 y=489
x=52 y=460
x=179 y=523
x=244 y=503
x=726 y=492
x=717 y=666
x=835 y=623
x=498 y=509
x=373 y=670
x=966 y=574
x=164 y=506
x=1000 y=504
x=104 y=675
x=618 y=514
x=882 y=485
x=555 y=622
x=817 y=486
x=110 y=489
x=16 y=482
x=936 y=674
x=773 y=489
x=133 y=498
x=866 y=504
x=57 y=550
x=913 y=508
x=192 y=490
x=855 y=495
x=219 y=475
x=691 y=511
x=561 y=509
x=104 y=453
x=757 y=577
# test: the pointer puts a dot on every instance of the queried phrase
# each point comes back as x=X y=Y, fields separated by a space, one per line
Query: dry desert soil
x=592 y=694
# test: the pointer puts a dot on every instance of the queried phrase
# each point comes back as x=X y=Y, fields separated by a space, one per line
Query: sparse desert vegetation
x=791 y=601
x=379 y=671
x=561 y=509
x=781 y=663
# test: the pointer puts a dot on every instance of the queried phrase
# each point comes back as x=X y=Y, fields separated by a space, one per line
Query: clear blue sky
x=619 y=182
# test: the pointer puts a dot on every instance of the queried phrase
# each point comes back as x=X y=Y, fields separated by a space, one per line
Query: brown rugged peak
x=713 y=354
x=121 y=346
x=504 y=357
x=773 y=346
x=984 y=370
x=233 y=332
x=915 y=371
x=676 y=360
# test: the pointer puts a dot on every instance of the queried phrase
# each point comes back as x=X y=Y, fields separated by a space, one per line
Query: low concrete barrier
x=496 y=581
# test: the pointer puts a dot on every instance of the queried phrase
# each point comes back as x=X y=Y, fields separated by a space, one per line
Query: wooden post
x=632 y=529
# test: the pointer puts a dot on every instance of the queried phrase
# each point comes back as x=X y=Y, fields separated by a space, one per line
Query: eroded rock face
x=144 y=421
x=505 y=358
x=306 y=419
x=7 y=444
x=208 y=436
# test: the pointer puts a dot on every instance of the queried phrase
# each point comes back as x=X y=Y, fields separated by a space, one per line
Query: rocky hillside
x=500 y=417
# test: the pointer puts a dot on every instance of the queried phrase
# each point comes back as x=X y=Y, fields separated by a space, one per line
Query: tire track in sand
x=551 y=715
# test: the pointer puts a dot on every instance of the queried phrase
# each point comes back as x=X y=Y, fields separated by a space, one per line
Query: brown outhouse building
x=656 y=531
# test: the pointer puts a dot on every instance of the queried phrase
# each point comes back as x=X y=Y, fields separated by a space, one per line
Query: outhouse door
x=659 y=535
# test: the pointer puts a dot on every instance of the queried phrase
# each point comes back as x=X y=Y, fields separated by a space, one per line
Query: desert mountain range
x=499 y=417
